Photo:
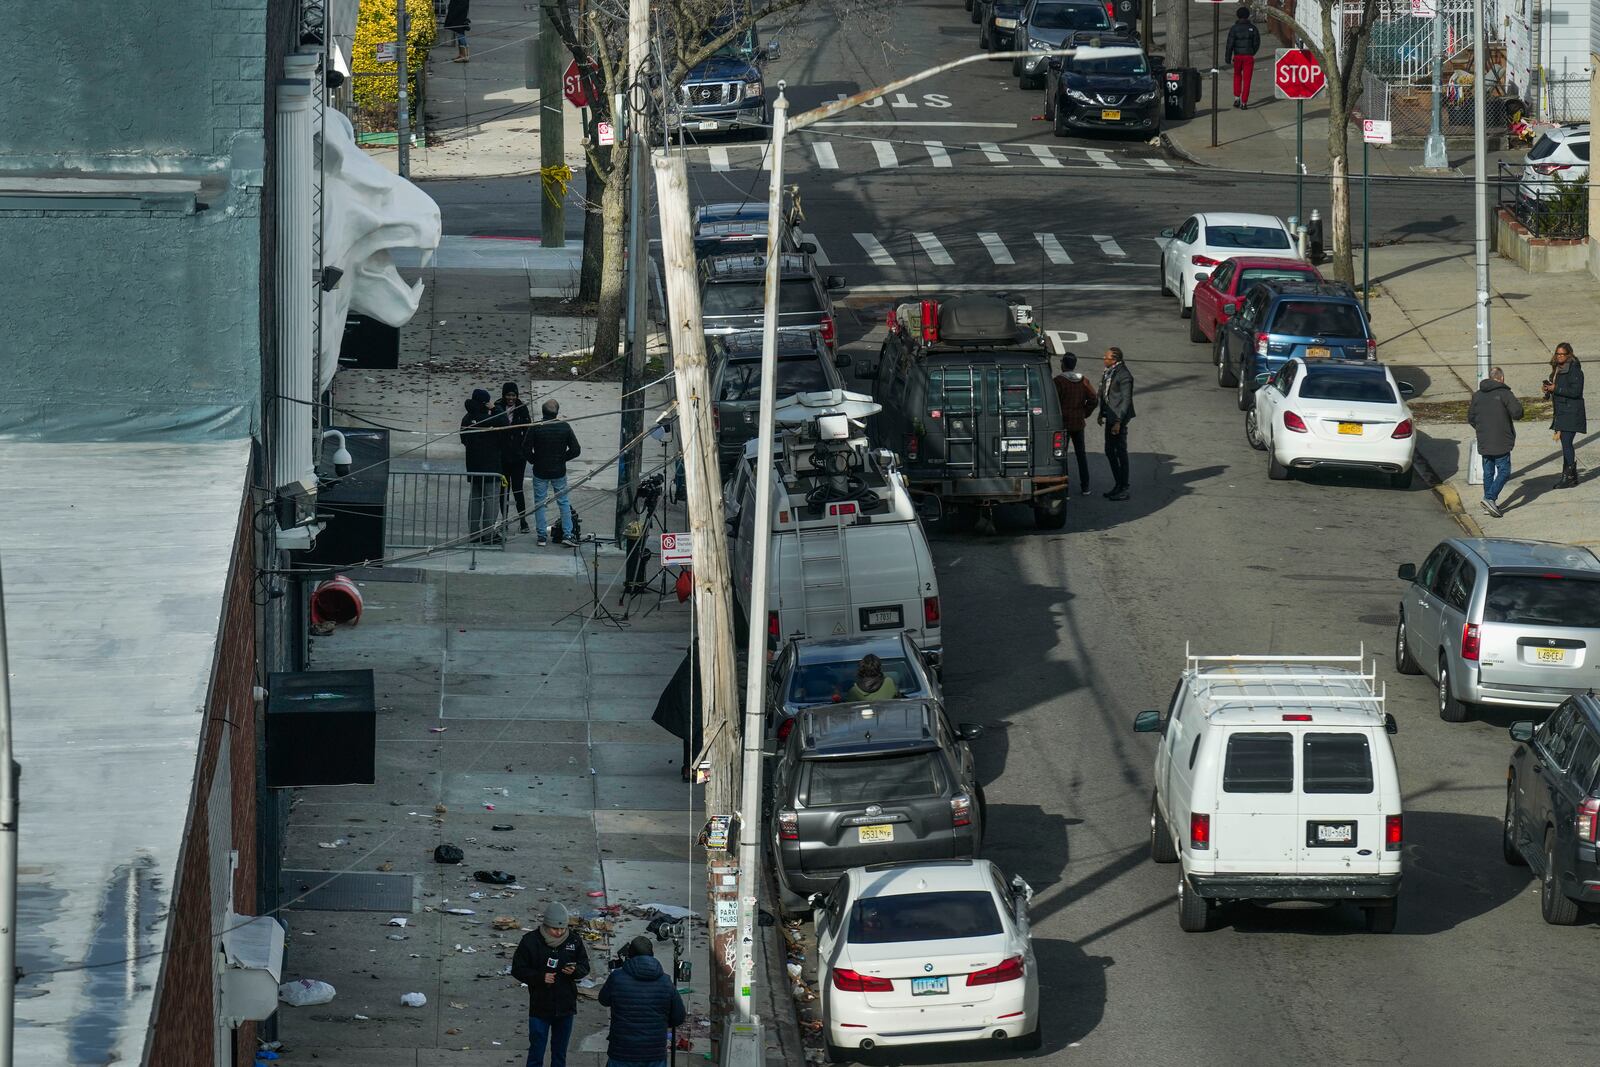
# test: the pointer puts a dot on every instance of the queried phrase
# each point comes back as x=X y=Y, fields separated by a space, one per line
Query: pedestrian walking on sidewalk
x=482 y=442
x=680 y=708
x=1244 y=41
x=458 y=22
x=513 y=455
x=1564 y=387
x=1078 y=400
x=644 y=1005
x=1116 y=409
x=551 y=961
x=1494 y=412
x=550 y=445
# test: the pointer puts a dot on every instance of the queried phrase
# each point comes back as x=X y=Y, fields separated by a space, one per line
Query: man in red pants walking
x=1244 y=41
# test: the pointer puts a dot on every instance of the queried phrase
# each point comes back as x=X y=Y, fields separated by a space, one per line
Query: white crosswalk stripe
x=718 y=156
x=1045 y=155
x=1108 y=244
x=874 y=250
x=825 y=157
x=1052 y=249
x=819 y=255
x=937 y=154
x=1158 y=163
x=936 y=253
x=851 y=154
x=1100 y=158
x=997 y=248
x=992 y=152
x=886 y=156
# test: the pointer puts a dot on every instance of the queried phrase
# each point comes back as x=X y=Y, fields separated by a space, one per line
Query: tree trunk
x=1339 y=194
x=594 y=186
x=1177 y=45
x=609 y=306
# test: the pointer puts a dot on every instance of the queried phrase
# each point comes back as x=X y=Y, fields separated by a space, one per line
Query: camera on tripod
x=649 y=491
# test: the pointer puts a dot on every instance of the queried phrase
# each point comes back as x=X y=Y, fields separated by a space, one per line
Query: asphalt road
x=1055 y=640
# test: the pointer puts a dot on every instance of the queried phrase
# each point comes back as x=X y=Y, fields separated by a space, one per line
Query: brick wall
x=185 y=1012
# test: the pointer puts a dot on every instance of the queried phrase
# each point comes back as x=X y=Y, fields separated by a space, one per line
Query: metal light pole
x=638 y=129
x=1433 y=153
x=1480 y=188
x=9 y=774
x=402 y=29
x=755 y=674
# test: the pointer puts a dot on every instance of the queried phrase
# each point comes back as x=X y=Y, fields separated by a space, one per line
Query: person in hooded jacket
x=1494 y=412
x=871 y=682
x=680 y=709
x=513 y=457
x=1078 y=401
x=482 y=444
x=1564 y=387
x=1244 y=41
x=551 y=961
x=644 y=1005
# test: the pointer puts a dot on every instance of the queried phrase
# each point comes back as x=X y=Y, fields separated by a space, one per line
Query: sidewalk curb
x=1449 y=498
x=1177 y=151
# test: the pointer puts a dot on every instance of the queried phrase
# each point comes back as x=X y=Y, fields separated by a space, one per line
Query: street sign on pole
x=1376 y=131
x=1296 y=74
x=572 y=86
x=385 y=52
x=606 y=133
x=677 y=550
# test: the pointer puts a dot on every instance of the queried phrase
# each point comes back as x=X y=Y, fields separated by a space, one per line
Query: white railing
x=1401 y=45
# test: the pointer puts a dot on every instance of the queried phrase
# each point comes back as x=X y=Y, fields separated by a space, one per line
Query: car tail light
x=1588 y=819
x=841 y=510
x=1403 y=430
x=1008 y=970
x=1058 y=441
x=894 y=321
x=913 y=446
x=930 y=321
x=1372 y=348
x=961 y=810
x=1297 y=717
x=1471 y=641
x=930 y=611
x=1551 y=168
x=855 y=982
x=1293 y=422
x=1393 y=833
x=788 y=821
x=1262 y=343
x=827 y=329
x=1111 y=11
x=785 y=728
x=1203 y=261
x=716 y=419
x=1199 y=831
x=772 y=630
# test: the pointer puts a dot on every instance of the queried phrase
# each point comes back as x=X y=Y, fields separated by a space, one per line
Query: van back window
x=1258 y=763
x=1534 y=600
x=1336 y=763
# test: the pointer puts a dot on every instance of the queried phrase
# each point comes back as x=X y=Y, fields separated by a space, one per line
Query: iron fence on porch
x=1548 y=207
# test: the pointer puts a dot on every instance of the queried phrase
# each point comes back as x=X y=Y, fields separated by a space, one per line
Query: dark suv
x=726 y=92
x=741 y=227
x=1283 y=319
x=804 y=366
x=1553 y=807
x=733 y=295
x=1107 y=84
x=871 y=782
x=970 y=406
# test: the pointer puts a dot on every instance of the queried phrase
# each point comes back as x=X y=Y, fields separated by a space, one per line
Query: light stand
x=594 y=610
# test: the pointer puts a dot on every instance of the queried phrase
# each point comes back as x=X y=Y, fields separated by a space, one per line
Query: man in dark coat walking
x=551 y=443
x=1494 y=412
x=458 y=22
x=679 y=710
x=1568 y=417
x=482 y=443
x=644 y=1005
x=1244 y=41
x=551 y=961
x=513 y=455
x=1078 y=400
x=1116 y=409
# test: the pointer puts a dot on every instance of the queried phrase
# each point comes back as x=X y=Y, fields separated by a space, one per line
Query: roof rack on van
x=828 y=473
x=966 y=322
x=1374 y=696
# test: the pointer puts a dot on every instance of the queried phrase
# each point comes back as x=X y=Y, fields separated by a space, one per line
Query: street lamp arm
x=817 y=114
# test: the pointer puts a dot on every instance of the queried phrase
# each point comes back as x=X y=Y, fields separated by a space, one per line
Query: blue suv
x=1280 y=320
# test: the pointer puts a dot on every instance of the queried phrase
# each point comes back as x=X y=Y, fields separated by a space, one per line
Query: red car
x=1229 y=283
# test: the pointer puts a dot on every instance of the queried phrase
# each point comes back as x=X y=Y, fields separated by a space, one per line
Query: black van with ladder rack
x=970 y=406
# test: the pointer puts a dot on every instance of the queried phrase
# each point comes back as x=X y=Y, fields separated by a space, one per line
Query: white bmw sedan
x=1333 y=413
x=1190 y=252
x=927 y=952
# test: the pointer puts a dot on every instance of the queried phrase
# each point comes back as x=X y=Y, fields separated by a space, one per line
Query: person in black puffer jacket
x=644 y=1005
x=482 y=446
x=513 y=451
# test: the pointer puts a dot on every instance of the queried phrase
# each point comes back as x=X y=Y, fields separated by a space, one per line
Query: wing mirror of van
x=1147 y=722
x=969 y=731
x=1406 y=572
x=1390 y=727
x=1230 y=309
x=929 y=507
x=808 y=247
x=1263 y=379
x=1521 y=731
x=1407 y=390
x=842 y=360
x=835 y=282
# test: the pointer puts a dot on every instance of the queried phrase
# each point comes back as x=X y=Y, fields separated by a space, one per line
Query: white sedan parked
x=1333 y=413
x=921 y=953
x=1190 y=252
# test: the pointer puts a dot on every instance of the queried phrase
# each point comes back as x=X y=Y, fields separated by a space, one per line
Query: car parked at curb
x=997 y=24
x=1559 y=157
x=1045 y=25
x=1219 y=296
x=1323 y=413
x=1495 y=620
x=733 y=295
x=1282 y=320
x=1105 y=85
x=1552 y=818
x=1194 y=248
x=812 y=671
x=804 y=366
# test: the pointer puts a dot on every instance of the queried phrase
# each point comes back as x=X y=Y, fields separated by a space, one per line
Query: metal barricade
x=436 y=509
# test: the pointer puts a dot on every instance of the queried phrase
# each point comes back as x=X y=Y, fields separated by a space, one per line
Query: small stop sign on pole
x=1296 y=75
x=572 y=86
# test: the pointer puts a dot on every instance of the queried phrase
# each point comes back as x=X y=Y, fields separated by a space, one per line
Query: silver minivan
x=1494 y=620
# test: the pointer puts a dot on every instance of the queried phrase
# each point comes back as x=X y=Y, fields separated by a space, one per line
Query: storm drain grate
x=348 y=891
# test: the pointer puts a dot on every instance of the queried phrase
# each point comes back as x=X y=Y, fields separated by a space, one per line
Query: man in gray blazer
x=1116 y=409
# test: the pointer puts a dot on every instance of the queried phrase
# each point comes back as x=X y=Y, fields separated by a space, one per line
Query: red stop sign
x=572 y=86
x=1296 y=75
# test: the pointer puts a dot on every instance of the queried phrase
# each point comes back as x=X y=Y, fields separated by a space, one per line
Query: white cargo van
x=1275 y=780
x=849 y=555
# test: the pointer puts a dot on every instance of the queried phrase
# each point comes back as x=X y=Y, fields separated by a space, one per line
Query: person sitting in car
x=871 y=682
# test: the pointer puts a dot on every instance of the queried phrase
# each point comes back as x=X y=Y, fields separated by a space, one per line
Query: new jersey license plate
x=927 y=987
x=1353 y=428
x=872 y=834
x=1551 y=655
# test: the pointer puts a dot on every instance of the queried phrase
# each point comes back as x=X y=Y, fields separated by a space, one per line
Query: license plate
x=869 y=834
x=1016 y=446
x=708 y=127
x=1350 y=428
x=1330 y=834
x=1318 y=353
x=927 y=987
x=1552 y=655
x=1110 y=116
x=889 y=618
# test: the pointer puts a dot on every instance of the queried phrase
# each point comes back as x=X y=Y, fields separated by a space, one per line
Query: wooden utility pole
x=552 y=145
x=713 y=598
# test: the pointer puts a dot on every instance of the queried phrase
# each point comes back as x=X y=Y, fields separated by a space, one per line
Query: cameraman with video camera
x=551 y=961
x=644 y=1005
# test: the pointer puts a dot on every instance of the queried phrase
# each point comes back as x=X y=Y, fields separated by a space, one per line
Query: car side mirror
x=1229 y=309
x=929 y=658
x=819 y=901
x=969 y=731
x=1147 y=722
x=1166 y=232
x=1122 y=29
x=866 y=368
x=1407 y=390
x=1406 y=572
x=1053 y=63
x=1022 y=889
x=808 y=247
x=835 y=282
x=1521 y=731
x=1390 y=726
x=1263 y=379
x=842 y=360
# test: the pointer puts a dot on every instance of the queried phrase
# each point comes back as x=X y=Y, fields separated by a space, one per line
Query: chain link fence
x=1410 y=108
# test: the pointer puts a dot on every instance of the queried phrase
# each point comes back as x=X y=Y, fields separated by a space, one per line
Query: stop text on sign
x=1296 y=75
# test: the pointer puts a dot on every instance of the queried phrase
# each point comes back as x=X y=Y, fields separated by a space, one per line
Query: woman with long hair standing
x=1564 y=387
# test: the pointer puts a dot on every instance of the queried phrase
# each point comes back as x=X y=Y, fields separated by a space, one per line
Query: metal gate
x=434 y=509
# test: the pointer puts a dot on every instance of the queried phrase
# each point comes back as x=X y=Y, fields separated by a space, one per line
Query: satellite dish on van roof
x=805 y=407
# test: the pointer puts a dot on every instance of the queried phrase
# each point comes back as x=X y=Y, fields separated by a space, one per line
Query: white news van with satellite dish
x=848 y=552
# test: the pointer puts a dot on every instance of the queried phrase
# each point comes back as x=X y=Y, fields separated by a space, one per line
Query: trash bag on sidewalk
x=495 y=877
x=305 y=992
x=448 y=854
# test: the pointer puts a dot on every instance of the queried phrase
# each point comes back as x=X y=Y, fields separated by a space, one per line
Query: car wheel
x=1450 y=709
x=837 y=1054
x=1252 y=431
x=1380 y=917
x=1275 y=470
x=1016 y=66
x=1049 y=104
x=1161 y=275
x=1247 y=396
x=1404 y=662
x=1025 y=82
x=1183 y=308
x=1033 y=1041
x=1046 y=519
x=1059 y=125
x=1403 y=479
x=1508 y=829
x=1557 y=908
x=1162 y=848
x=1226 y=377
x=983 y=37
x=1194 y=330
x=1194 y=910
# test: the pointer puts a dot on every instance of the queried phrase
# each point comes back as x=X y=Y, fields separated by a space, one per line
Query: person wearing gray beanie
x=551 y=961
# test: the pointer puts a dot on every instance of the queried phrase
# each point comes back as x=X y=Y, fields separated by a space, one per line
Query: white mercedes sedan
x=1313 y=413
x=923 y=953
